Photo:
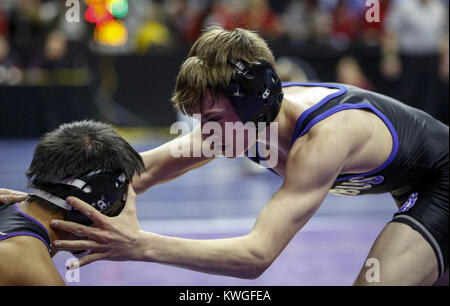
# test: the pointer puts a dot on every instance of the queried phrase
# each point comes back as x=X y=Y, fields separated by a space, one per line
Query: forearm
x=161 y=168
x=236 y=257
x=162 y=164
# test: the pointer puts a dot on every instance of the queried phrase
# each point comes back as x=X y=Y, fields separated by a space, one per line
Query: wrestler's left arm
x=312 y=170
x=313 y=164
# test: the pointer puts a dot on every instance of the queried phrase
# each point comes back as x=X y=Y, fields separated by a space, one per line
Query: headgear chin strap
x=104 y=190
x=255 y=91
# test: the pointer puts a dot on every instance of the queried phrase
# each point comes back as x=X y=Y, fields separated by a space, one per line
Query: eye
x=215 y=119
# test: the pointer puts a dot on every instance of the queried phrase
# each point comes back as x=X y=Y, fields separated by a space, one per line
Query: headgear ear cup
x=104 y=190
x=242 y=68
x=255 y=91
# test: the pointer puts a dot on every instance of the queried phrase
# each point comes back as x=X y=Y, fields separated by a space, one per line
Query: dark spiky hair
x=76 y=148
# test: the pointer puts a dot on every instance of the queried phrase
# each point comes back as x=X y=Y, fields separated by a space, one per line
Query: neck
x=286 y=120
x=44 y=215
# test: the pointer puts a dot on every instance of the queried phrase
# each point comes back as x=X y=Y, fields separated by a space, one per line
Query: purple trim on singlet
x=342 y=90
x=306 y=113
x=16 y=207
x=3 y=237
x=345 y=106
x=258 y=158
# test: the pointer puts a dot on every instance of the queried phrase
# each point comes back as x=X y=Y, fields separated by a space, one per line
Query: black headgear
x=255 y=91
x=104 y=190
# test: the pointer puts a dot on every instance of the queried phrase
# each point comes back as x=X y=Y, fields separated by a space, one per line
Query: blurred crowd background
x=117 y=60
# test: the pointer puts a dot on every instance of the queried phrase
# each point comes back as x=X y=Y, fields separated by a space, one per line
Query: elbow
x=138 y=186
x=258 y=264
x=254 y=273
x=142 y=182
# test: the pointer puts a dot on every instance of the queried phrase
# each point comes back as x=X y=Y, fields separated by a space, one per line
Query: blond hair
x=207 y=66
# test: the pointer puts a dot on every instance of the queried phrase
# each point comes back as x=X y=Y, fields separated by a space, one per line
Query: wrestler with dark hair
x=87 y=159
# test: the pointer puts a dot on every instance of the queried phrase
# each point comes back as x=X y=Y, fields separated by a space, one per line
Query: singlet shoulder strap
x=15 y=222
x=301 y=121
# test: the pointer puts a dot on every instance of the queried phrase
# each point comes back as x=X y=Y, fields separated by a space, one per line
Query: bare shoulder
x=346 y=131
x=348 y=141
x=342 y=131
x=348 y=122
x=307 y=95
x=329 y=146
x=24 y=260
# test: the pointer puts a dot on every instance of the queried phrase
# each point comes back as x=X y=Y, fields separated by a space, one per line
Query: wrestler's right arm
x=162 y=166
